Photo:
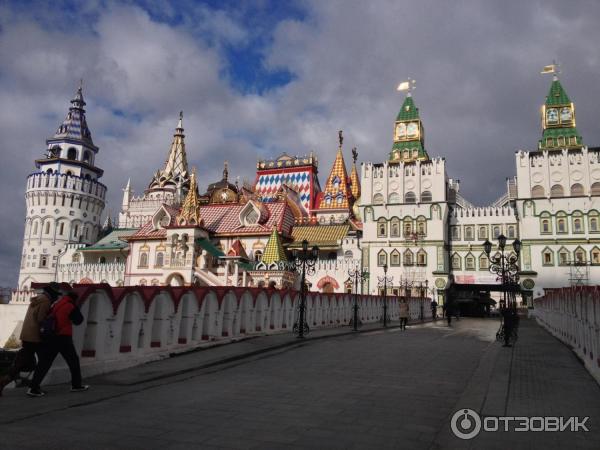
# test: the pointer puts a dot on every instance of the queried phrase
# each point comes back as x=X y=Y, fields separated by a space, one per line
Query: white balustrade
x=573 y=316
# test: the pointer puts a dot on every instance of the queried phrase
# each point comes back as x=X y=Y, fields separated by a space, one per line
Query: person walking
x=403 y=314
x=66 y=313
x=434 y=309
x=30 y=333
x=448 y=311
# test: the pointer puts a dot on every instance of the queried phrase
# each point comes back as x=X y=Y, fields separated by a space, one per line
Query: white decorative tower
x=63 y=196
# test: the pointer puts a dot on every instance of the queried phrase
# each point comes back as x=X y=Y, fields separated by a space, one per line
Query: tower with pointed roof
x=64 y=198
x=409 y=134
x=169 y=185
x=334 y=204
x=558 y=120
x=190 y=209
x=274 y=251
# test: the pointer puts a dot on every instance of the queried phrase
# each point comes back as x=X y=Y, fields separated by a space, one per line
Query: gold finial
x=341 y=137
x=354 y=155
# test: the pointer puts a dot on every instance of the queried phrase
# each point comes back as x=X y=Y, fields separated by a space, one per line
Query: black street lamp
x=505 y=266
x=357 y=275
x=383 y=281
x=305 y=261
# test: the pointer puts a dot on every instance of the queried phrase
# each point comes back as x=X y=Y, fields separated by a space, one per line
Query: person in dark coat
x=30 y=333
x=66 y=313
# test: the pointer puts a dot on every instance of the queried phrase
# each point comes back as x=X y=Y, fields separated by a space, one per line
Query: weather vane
x=553 y=68
x=354 y=154
x=408 y=85
x=340 y=137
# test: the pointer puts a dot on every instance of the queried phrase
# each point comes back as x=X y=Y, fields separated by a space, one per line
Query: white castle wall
x=128 y=326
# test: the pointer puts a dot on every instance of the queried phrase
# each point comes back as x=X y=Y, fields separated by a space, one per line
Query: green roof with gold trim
x=561 y=132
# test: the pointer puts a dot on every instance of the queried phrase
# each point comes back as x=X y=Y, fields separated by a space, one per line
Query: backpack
x=48 y=326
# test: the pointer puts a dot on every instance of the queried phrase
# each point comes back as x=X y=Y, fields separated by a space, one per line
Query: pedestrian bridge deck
x=375 y=389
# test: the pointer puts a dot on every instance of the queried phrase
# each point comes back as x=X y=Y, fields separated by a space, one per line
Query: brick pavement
x=377 y=389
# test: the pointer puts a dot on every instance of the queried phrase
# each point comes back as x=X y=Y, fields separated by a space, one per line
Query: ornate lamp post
x=505 y=266
x=304 y=261
x=357 y=275
x=383 y=281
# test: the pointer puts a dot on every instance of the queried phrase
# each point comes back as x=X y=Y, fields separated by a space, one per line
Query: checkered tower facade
x=293 y=172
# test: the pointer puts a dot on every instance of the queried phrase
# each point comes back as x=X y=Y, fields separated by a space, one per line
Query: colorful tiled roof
x=148 y=231
x=557 y=95
x=320 y=235
x=237 y=249
x=190 y=210
x=355 y=181
x=337 y=193
x=408 y=111
x=112 y=241
x=274 y=251
x=225 y=219
x=75 y=127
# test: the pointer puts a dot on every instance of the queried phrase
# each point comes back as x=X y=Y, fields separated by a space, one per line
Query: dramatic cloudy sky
x=257 y=78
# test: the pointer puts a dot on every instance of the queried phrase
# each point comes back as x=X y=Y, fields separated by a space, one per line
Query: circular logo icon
x=465 y=424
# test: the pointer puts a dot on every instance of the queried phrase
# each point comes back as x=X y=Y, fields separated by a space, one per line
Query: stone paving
x=372 y=390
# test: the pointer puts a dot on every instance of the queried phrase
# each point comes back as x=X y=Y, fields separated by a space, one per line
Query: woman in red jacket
x=66 y=313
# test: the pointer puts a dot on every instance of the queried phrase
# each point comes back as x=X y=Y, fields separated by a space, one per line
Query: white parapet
x=573 y=316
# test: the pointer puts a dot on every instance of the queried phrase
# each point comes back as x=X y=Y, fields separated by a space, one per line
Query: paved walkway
x=376 y=389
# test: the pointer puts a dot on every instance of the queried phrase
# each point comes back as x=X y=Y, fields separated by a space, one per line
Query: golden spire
x=190 y=210
x=354 y=179
x=274 y=251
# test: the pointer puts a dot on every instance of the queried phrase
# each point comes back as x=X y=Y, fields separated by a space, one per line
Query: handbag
x=75 y=316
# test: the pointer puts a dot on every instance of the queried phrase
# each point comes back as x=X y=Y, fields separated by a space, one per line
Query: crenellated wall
x=128 y=326
x=573 y=316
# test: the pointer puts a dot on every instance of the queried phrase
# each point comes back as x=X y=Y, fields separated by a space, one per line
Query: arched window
x=381 y=228
x=35 y=228
x=538 y=192
x=595 y=256
x=557 y=191
x=87 y=157
x=469 y=233
x=394 y=198
x=72 y=153
x=577 y=223
x=484 y=262
x=348 y=255
x=407 y=227
x=456 y=261
x=381 y=258
x=395 y=227
x=421 y=226
x=483 y=232
x=160 y=259
x=102 y=260
x=378 y=199
x=561 y=224
x=395 y=258
x=47 y=228
x=421 y=258
x=563 y=257
x=547 y=257
x=61 y=228
x=576 y=189
x=143 y=259
x=595 y=188
x=410 y=197
x=469 y=262
x=496 y=231
x=408 y=257
x=426 y=196
x=580 y=255
x=593 y=221
x=511 y=232
x=258 y=255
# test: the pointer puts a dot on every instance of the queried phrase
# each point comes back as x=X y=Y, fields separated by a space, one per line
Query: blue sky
x=256 y=78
